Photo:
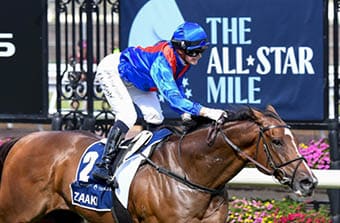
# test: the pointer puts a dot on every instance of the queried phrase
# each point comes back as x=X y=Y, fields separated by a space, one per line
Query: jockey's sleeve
x=182 y=91
x=180 y=87
x=162 y=75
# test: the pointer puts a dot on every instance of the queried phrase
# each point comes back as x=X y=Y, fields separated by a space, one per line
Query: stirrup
x=102 y=172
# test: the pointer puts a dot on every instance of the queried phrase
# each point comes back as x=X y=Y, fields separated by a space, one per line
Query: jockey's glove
x=186 y=117
x=212 y=113
x=187 y=121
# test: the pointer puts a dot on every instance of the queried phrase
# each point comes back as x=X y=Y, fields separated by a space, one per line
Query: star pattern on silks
x=185 y=82
x=188 y=93
x=187 y=90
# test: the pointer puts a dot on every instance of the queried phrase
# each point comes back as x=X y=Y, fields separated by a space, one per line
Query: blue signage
x=261 y=52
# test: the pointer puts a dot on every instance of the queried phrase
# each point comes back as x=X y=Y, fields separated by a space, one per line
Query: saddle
x=128 y=148
x=91 y=194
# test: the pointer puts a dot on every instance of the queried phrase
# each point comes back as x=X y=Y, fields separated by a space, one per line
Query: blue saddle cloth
x=87 y=192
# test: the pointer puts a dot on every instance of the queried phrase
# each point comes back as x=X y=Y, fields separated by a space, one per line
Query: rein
x=183 y=180
x=239 y=151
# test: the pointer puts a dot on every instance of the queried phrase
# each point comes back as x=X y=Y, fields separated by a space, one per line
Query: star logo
x=185 y=82
x=250 y=60
x=188 y=93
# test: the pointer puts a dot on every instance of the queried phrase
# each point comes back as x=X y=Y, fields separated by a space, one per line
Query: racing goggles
x=195 y=52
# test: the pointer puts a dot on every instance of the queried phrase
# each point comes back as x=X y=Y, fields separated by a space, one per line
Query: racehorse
x=183 y=181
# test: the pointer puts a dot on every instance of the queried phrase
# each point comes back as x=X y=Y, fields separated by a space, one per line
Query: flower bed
x=316 y=153
x=275 y=211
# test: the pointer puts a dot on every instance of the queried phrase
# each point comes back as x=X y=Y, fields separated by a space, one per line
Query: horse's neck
x=217 y=164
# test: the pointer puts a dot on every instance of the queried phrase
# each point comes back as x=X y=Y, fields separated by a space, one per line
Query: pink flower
x=316 y=153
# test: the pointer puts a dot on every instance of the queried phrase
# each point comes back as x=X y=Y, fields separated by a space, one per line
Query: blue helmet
x=189 y=36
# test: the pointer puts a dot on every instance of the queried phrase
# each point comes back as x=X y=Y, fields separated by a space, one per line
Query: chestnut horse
x=183 y=181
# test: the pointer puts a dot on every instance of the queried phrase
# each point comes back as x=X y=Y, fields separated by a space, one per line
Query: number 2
x=89 y=160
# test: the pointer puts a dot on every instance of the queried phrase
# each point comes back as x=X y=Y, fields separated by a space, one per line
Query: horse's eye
x=277 y=142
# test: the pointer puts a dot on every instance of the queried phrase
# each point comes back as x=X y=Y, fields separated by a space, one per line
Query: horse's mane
x=242 y=114
x=4 y=150
x=247 y=114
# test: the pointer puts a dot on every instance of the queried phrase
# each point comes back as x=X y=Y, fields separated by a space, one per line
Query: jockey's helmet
x=190 y=36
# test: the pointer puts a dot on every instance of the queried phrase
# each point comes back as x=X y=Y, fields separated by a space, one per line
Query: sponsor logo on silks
x=85 y=198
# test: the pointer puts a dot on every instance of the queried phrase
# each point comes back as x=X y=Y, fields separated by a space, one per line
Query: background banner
x=23 y=56
x=261 y=52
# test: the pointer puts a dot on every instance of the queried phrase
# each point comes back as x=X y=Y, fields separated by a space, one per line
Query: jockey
x=135 y=75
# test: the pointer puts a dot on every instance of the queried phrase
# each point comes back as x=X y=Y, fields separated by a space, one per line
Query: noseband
x=277 y=169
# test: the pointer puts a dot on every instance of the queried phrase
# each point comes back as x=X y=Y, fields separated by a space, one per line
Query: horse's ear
x=271 y=109
x=255 y=113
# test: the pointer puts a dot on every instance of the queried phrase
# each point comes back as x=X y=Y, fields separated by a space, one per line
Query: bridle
x=277 y=169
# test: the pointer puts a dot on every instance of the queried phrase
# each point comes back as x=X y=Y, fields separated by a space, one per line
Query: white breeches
x=121 y=95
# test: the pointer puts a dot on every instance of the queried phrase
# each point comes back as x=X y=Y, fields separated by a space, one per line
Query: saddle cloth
x=88 y=193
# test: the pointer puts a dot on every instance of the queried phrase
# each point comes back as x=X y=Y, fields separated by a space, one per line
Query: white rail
x=327 y=179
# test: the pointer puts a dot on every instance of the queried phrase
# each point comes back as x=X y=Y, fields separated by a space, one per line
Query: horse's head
x=278 y=152
x=274 y=152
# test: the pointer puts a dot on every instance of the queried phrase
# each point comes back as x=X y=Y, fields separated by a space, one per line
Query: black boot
x=103 y=172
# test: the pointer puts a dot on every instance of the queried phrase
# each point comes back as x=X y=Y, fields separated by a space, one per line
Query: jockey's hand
x=187 y=121
x=213 y=114
x=186 y=117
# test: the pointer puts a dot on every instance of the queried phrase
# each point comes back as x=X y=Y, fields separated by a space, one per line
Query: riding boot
x=103 y=172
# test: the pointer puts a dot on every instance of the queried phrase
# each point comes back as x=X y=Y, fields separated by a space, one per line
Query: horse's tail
x=4 y=150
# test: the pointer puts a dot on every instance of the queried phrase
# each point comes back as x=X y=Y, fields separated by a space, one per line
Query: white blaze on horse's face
x=289 y=133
